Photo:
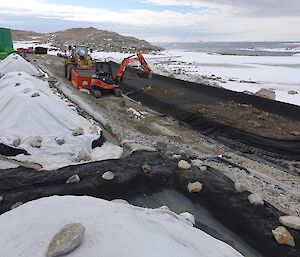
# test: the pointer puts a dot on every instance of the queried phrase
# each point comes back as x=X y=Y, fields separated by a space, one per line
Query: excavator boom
x=126 y=61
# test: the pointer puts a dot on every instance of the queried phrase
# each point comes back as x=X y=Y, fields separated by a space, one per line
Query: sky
x=162 y=20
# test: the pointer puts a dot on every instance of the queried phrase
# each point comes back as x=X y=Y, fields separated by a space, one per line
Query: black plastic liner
x=192 y=93
x=252 y=223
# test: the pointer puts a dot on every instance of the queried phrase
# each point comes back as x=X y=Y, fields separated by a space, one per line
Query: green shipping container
x=6 y=44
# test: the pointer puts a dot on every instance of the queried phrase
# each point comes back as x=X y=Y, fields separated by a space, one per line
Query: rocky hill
x=94 y=38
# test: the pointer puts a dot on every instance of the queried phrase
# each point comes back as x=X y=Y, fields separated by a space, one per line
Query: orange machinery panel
x=82 y=78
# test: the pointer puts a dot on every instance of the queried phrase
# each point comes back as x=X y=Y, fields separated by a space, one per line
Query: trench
x=205 y=221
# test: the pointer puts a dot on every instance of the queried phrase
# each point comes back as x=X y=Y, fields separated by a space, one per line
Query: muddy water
x=204 y=220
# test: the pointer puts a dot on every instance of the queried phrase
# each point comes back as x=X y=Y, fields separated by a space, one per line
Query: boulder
x=77 y=132
x=295 y=133
x=16 y=142
x=73 y=179
x=283 y=236
x=16 y=205
x=266 y=93
x=194 y=187
x=290 y=221
x=292 y=92
x=60 y=141
x=36 y=142
x=184 y=165
x=248 y=92
x=203 y=168
x=82 y=156
x=239 y=187
x=1 y=198
x=120 y=201
x=66 y=240
x=146 y=168
x=256 y=199
x=108 y=175
x=189 y=217
x=35 y=94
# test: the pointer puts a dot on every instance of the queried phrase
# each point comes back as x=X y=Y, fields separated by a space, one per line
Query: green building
x=6 y=44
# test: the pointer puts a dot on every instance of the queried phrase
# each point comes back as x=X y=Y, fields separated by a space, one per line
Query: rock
x=60 y=141
x=203 y=168
x=292 y=92
x=77 y=132
x=197 y=163
x=266 y=93
x=66 y=240
x=82 y=156
x=248 y=92
x=120 y=201
x=16 y=205
x=184 y=165
x=164 y=207
x=16 y=142
x=295 y=133
x=164 y=146
x=1 y=198
x=146 y=168
x=194 y=187
x=290 y=221
x=17 y=84
x=189 y=217
x=95 y=129
x=35 y=94
x=283 y=236
x=36 y=142
x=239 y=187
x=73 y=179
x=256 y=199
x=108 y=175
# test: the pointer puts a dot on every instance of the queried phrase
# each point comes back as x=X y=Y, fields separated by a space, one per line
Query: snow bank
x=15 y=62
x=25 y=117
x=112 y=229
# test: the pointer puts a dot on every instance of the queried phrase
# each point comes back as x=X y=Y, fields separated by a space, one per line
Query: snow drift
x=112 y=229
x=15 y=62
x=29 y=109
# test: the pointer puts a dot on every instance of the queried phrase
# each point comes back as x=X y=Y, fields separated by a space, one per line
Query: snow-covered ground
x=111 y=229
x=34 y=119
x=236 y=73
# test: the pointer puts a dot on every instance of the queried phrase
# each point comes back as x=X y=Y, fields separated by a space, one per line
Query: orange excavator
x=102 y=81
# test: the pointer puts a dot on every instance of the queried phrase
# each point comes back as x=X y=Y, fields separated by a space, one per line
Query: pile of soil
x=161 y=91
x=250 y=119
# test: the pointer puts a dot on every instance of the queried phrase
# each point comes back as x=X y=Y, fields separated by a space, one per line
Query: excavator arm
x=126 y=61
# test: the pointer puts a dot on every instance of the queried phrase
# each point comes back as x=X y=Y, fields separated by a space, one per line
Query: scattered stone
x=17 y=84
x=35 y=94
x=164 y=207
x=184 y=165
x=239 y=187
x=147 y=168
x=295 y=133
x=82 y=156
x=16 y=142
x=36 y=142
x=283 y=236
x=94 y=129
x=77 y=132
x=60 y=141
x=292 y=92
x=108 y=175
x=120 y=201
x=203 y=168
x=176 y=156
x=194 y=187
x=290 y=221
x=73 y=179
x=256 y=199
x=16 y=205
x=189 y=217
x=248 y=92
x=66 y=240
x=1 y=198
x=266 y=93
